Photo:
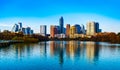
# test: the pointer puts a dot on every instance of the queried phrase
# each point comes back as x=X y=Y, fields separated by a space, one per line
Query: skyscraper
x=78 y=29
x=58 y=29
x=67 y=30
x=16 y=28
x=53 y=31
x=32 y=32
x=43 y=30
x=61 y=22
x=92 y=28
x=20 y=26
x=97 y=27
x=24 y=30
x=73 y=30
x=28 y=29
x=83 y=31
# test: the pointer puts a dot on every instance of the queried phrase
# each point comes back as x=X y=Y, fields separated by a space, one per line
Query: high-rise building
x=92 y=28
x=16 y=28
x=32 y=32
x=20 y=26
x=83 y=31
x=67 y=30
x=61 y=22
x=58 y=29
x=64 y=30
x=24 y=30
x=43 y=30
x=78 y=29
x=73 y=30
x=28 y=29
x=97 y=27
x=53 y=31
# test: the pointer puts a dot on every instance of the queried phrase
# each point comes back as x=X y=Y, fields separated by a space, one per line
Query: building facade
x=53 y=31
x=43 y=30
x=92 y=28
x=78 y=29
x=67 y=30
x=61 y=23
x=73 y=30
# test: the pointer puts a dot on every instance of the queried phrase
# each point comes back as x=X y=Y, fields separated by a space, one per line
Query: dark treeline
x=7 y=35
x=100 y=37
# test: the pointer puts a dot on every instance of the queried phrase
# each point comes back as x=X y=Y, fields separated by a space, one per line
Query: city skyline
x=47 y=12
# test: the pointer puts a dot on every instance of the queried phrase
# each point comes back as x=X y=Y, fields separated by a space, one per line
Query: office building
x=32 y=32
x=53 y=31
x=24 y=31
x=16 y=28
x=58 y=29
x=28 y=29
x=61 y=23
x=97 y=27
x=73 y=30
x=78 y=29
x=43 y=30
x=20 y=26
x=92 y=28
x=64 y=30
x=83 y=31
x=67 y=30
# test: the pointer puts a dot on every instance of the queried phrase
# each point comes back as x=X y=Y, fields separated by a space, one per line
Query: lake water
x=61 y=55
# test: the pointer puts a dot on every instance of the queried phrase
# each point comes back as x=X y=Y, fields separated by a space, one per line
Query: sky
x=34 y=13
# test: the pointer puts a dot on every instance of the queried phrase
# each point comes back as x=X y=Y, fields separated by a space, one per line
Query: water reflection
x=43 y=48
x=23 y=50
x=92 y=51
x=59 y=53
x=57 y=49
x=75 y=49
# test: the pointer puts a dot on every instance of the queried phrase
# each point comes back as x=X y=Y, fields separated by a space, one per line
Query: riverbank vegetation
x=99 y=37
x=6 y=35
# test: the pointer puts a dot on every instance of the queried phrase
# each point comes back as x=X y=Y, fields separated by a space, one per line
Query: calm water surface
x=61 y=55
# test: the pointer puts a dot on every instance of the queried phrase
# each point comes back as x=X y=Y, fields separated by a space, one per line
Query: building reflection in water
x=23 y=50
x=74 y=49
x=43 y=48
x=92 y=51
x=56 y=49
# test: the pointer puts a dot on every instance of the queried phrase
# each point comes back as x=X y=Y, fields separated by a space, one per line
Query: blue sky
x=34 y=13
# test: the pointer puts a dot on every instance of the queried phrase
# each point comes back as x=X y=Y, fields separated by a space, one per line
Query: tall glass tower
x=20 y=26
x=61 y=22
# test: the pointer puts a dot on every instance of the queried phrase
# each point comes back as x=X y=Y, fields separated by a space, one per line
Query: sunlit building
x=73 y=30
x=93 y=28
x=67 y=30
x=53 y=31
x=43 y=30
